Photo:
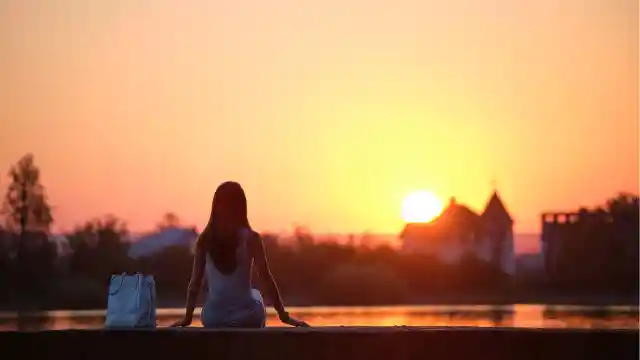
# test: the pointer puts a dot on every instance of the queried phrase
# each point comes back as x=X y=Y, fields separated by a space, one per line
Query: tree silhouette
x=25 y=209
x=625 y=207
x=25 y=204
x=169 y=220
x=99 y=247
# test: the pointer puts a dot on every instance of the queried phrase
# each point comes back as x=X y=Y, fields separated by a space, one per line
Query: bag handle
x=139 y=278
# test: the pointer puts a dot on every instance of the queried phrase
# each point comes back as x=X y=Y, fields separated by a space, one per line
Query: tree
x=99 y=247
x=25 y=209
x=169 y=220
x=624 y=207
x=25 y=204
x=624 y=243
x=302 y=236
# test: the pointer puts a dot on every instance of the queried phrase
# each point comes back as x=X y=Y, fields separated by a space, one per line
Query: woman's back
x=231 y=300
x=236 y=285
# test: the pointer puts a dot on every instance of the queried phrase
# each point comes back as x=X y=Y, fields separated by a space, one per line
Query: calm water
x=527 y=316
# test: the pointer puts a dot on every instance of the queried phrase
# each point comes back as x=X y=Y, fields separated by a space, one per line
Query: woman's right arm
x=260 y=258
x=195 y=283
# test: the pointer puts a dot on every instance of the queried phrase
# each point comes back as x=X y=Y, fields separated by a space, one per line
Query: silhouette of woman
x=227 y=248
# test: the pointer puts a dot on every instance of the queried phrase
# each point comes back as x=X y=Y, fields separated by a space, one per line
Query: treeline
x=308 y=273
x=37 y=273
x=326 y=273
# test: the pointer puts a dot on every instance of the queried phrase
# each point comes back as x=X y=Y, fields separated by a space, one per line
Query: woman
x=227 y=248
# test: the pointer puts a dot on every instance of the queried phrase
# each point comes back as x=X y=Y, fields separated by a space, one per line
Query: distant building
x=149 y=244
x=556 y=228
x=459 y=231
x=63 y=248
x=589 y=246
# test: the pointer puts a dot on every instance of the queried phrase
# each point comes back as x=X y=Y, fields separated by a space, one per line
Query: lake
x=520 y=316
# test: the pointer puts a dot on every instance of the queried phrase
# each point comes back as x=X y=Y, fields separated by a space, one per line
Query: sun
x=420 y=206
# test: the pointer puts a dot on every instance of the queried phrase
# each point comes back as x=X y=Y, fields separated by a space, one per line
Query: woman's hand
x=295 y=322
x=186 y=321
x=286 y=319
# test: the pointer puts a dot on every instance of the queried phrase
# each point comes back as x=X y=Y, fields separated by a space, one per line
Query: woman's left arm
x=195 y=284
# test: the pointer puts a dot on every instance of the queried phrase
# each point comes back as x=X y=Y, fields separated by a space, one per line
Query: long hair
x=228 y=216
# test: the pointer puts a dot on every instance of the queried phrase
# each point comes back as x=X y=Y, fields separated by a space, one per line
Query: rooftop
x=457 y=217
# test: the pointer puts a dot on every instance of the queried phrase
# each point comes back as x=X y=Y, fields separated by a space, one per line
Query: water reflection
x=521 y=316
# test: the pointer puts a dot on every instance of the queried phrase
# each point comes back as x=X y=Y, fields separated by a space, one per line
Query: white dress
x=232 y=302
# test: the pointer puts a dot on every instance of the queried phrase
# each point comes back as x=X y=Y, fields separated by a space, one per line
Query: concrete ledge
x=370 y=343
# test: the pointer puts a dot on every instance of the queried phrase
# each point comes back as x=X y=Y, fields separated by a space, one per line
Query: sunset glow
x=328 y=113
x=420 y=206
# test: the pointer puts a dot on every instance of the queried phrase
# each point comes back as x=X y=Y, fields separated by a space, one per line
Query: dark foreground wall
x=394 y=343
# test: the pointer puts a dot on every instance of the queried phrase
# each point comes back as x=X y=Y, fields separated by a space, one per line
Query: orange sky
x=328 y=112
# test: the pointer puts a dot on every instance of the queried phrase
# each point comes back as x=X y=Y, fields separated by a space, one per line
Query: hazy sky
x=328 y=112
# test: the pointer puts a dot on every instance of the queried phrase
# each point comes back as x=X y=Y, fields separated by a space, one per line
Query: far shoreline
x=556 y=302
